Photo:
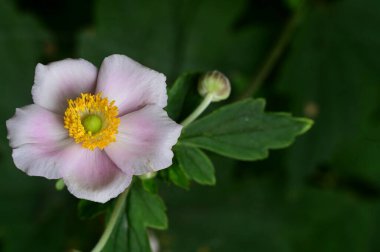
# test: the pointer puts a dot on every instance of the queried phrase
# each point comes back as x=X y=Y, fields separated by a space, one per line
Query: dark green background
x=322 y=194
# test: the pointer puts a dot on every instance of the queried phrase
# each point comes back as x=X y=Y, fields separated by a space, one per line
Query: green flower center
x=92 y=124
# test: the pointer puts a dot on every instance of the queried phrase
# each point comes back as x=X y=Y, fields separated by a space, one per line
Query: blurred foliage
x=174 y=36
x=331 y=73
x=322 y=194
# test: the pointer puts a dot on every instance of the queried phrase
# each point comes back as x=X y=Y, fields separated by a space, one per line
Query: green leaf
x=178 y=92
x=150 y=185
x=196 y=164
x=178 y=176
x=118 y=238
x=144 y=210
x=244 y=131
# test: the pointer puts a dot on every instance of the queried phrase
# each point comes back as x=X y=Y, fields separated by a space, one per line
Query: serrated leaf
x=178 y=176
x=196 y=164
x=244 y=131
x=144 y=210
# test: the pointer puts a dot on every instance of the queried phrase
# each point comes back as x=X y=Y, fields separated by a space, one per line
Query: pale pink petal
x=92 y=175
x=58 y=81
x=42 y=160
x=130 y=84
x=37 y=136
x=34 y=124
x=144 y=141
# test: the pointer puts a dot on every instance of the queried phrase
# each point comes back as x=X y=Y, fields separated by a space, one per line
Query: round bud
x=59 y=185
x=216 y=84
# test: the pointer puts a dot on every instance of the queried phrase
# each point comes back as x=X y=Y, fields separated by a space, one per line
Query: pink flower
x=95 y=129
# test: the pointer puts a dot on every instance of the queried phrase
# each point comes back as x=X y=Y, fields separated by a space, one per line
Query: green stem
x=202 y=107
x=273 y=56
x=118 y=209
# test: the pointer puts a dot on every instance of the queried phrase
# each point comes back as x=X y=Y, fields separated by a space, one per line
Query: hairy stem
x=118 y=209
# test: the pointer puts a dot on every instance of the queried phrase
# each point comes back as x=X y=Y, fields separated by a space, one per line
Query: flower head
x=216 y=84
x=95 y=129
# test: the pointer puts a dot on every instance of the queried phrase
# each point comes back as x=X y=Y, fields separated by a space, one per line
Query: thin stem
x=118 y=209
x=201 y=107
x=273 y=56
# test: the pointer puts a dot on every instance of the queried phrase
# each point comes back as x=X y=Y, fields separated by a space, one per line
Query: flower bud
x=59 y=185
x=215 y=83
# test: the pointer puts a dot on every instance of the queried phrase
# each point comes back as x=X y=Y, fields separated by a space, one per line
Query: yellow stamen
x=94 y=106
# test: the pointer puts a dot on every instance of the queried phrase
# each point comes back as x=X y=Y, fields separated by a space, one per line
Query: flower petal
x=58 y=81
x=33 y=124
x=37 y=136
x=92 y=175
x=40 y=159
x=130 y=84
x=144 y=141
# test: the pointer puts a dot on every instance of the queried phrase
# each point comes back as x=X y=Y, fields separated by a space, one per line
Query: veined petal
x=58 y=81
x=144 y=141
x=37 y=136
x=92 y=175
x=33 y=124
x=130 y=84
x=41 y=159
